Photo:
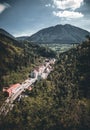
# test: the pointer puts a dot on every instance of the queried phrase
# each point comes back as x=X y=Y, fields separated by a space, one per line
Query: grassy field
x=59 y=47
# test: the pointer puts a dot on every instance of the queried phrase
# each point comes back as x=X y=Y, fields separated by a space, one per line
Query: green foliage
x=16 y=57
x=62 y=102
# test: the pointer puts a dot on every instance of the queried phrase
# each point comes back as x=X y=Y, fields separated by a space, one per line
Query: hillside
x=16 y=56
x=5 y=33
x=59 y=34
x=22 y=38
x=62 y=102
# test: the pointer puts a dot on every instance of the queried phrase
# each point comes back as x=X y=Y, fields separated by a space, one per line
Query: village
x=15 y=90
x=38 y=73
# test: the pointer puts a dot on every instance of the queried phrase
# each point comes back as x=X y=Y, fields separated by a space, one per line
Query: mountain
x=22 y=38
x=62 y=102
x=5 y=33
x=59 y=34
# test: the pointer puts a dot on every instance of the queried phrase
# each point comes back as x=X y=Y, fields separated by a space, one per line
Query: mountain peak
x=59 y=34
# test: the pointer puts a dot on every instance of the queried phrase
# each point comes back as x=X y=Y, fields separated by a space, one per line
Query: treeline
x=18 y=58
x=62 y=102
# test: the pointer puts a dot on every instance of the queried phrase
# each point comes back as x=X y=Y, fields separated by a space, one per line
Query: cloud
x=68 y=14
x=68 y=4
x=3 y=7
x=67 y=8
x=48 y=5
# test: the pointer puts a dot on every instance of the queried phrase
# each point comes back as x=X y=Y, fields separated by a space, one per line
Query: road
x=8 y=104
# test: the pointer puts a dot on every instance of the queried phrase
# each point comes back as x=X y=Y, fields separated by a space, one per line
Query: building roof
x=11 y=88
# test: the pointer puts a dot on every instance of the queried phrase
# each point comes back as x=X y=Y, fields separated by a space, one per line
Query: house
x=10 y=90
x=34 y=74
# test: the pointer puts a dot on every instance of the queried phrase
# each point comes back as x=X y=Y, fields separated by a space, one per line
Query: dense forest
x=62 y=102
x=17 y=58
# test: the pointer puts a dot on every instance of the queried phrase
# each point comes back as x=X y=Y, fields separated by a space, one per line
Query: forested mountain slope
x=59 y=34
x=5 y=33
x=62 y=102
x=16 y=56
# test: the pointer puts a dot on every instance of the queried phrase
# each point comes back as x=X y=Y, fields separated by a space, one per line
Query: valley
x=59 y=48
x=44 y=64
x=62 y=101
x=16 y=92
x=48 y=85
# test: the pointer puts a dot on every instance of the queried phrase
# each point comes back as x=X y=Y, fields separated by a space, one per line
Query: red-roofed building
x=10 y=90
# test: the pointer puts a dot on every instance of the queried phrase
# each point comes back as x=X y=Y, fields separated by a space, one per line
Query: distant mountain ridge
x=59 y=34
x=5 y=33
x=22 y=38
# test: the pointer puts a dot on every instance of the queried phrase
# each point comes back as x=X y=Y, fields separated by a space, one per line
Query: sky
x=26 y=17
